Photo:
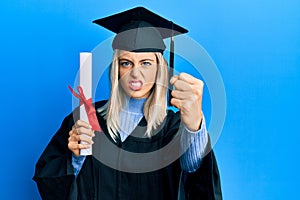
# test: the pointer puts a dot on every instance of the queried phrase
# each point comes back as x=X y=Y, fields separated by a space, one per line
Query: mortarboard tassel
x=171 y=61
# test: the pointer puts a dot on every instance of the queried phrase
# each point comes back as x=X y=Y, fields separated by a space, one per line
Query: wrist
x=196 y=125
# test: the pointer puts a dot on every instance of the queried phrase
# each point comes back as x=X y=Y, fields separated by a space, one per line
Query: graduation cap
x=140 y=30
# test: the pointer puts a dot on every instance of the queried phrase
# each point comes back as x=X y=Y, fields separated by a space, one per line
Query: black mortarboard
x=140 y=30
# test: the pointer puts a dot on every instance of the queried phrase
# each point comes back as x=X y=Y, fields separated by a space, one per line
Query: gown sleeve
x=54 y=173
x=205 y=182
x=195 y=144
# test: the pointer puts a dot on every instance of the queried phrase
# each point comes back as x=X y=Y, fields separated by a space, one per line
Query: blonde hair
x=155 y=106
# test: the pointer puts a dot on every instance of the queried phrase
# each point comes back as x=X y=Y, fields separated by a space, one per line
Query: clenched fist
x=187 y=97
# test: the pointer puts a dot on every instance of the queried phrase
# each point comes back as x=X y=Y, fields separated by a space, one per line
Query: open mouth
x=135 y=85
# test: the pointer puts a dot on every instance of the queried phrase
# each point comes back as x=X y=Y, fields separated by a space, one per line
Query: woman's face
x=137 y=73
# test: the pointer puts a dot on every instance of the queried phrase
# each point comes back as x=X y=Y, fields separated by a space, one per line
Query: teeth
x=136 y=84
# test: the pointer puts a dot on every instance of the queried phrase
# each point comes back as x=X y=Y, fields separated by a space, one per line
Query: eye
x=125 y=63
x=146 y=63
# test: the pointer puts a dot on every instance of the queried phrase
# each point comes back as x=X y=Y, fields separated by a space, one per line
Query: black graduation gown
x=113 y=174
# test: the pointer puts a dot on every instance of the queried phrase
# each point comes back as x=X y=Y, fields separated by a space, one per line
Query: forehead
x=136 y=55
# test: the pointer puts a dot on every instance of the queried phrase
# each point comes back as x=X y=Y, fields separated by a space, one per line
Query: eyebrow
x=147 y=59
x=124 y=59
x=142 y=60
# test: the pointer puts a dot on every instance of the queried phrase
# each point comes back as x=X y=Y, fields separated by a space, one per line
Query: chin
x=137 y=95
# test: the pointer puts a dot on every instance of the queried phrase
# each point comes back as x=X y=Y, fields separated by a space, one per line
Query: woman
x=145 y=151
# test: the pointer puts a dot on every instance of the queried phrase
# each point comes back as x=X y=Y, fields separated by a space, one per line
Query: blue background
x=255 y=44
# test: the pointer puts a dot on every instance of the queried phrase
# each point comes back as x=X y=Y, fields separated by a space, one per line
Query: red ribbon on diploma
x=89 y=108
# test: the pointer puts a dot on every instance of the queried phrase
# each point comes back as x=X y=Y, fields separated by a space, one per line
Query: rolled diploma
x=85 y=81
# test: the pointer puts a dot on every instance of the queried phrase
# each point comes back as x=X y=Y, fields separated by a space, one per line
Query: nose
x=134 y=72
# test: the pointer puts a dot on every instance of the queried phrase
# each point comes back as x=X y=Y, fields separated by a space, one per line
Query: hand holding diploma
x=81 y=131
x=88 y=118
x=80 y=137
